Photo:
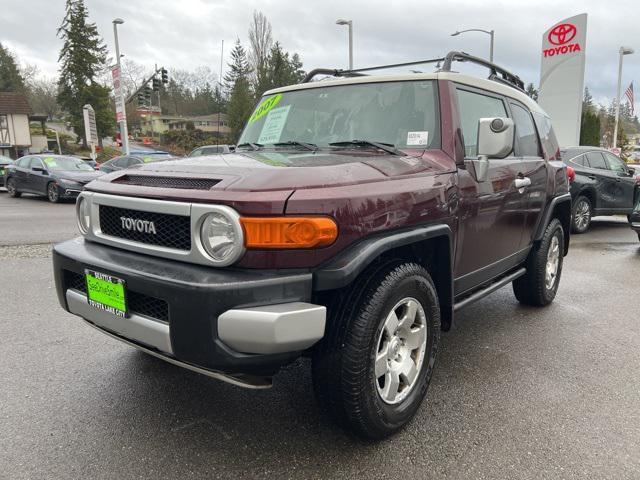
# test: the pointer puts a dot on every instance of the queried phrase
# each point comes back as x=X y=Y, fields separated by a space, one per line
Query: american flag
x=629 y=94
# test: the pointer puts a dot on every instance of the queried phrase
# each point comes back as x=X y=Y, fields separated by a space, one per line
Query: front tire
x=374 y=366
x=11 y=188
x=581 y=215
x=53 y=194
x=538 y=287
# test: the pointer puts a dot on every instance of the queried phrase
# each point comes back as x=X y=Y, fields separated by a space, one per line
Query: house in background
x=15 y=135
x=206 y=123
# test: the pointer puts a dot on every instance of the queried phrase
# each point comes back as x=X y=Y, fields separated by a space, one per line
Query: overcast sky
x=187 y=33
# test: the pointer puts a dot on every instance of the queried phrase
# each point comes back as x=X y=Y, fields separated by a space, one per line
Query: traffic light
x=147 y=93
x=142 y=101
x=156 y=84
x=165 y=75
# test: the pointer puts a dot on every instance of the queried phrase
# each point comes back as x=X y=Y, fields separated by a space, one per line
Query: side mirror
x=632 y=171
x=39 y=169
x=495 y=140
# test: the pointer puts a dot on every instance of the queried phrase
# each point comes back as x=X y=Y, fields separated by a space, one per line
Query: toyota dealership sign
x=562 y=76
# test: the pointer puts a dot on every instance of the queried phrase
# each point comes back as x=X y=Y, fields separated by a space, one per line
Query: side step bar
x=478 y=295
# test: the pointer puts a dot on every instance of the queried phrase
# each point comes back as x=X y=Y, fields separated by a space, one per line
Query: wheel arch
x=430 y=246
x=590 y=193
x=560 y=208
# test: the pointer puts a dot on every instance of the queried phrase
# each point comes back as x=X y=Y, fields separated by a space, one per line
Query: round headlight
x=221 y=236
x=83 y=212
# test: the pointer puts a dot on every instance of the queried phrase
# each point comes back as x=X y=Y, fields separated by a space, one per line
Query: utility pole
x=220 y=91
x=124 y=132
x=623 y=51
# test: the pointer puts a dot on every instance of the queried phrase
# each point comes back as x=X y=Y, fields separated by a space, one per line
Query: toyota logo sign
x=562 y=34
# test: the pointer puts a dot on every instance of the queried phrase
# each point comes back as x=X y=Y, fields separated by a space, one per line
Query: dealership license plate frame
x=114 y=301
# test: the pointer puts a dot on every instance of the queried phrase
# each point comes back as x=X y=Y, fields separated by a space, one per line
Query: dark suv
x=355 y=217
x=603 y=185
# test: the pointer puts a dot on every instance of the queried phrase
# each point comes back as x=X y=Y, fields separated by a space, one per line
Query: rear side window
x=596 y=160
x=581 y=160
x=24 y=162
x=474 y=106
x=547 y=136
x=526 y=132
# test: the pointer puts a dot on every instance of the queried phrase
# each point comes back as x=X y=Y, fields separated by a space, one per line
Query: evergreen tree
x=590 y=122
x=237 y=83
x=82 y=58
x=10 y=78
x=238 y=68
x=532 y=92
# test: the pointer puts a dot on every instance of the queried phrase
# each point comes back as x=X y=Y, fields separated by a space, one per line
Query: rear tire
x=373 y=368
x=11 y=188
x=53 y=194
x=581 y=215
x=538 y=287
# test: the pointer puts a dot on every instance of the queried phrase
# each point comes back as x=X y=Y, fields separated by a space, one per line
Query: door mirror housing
x=40 y=169
x=495 y=140
x=632 y=171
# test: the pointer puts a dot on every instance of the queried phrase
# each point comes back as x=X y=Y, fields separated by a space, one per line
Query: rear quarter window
x=547 y=136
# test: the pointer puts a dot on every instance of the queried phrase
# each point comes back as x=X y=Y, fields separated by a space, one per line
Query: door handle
x=592 y=177
x=523 y=182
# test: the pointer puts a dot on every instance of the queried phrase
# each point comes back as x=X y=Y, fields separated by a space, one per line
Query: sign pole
x=121 y=114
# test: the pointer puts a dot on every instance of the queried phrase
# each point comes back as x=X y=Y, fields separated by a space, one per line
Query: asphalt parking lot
x=517 y=393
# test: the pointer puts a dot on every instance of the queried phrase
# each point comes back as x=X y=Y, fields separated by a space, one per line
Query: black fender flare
x=345 y=267
x=548 y=215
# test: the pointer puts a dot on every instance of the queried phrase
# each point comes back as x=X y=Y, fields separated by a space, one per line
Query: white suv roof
x=481 y=83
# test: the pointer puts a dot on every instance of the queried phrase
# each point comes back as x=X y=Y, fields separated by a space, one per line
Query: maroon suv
x=355 y=217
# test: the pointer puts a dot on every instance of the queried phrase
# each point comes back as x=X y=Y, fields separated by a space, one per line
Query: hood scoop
x=167 y=182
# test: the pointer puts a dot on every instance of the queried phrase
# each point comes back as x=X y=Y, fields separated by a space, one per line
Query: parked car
x=53 y=176
x=133 y=160
x=634 y=155
x=210 y=150
x=4 y=162
x=603 y=185
x=89 y=161
x=634 y=219
x=355 y=217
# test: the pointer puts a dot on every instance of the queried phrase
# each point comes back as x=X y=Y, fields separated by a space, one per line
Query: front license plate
x=106 y=293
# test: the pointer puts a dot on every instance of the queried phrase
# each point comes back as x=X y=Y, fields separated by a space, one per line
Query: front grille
x=172 y=231
x=138 y=303
x=168 y=182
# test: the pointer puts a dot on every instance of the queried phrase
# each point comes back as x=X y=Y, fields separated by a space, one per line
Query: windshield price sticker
x=418 y=138
x=273 y=125
x=50 y=162
x=265 y=107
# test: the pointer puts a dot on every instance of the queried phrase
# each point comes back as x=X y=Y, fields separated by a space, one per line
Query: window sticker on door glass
x=273 y=125
x=50 y=162
x=417 y=138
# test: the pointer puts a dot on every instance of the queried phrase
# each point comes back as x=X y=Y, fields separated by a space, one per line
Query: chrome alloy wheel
x=553 y=261
x=582 y=215
x=400 y=350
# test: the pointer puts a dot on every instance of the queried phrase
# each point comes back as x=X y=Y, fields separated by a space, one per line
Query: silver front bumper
x=153 y=333
x=269 y=329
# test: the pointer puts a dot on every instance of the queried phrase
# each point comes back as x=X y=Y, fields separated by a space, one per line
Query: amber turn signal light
x=288 y=232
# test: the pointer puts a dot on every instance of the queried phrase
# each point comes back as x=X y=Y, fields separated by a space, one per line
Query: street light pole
x=349 y=23
x=491 y=34
x=124 y=132
x=623 y=51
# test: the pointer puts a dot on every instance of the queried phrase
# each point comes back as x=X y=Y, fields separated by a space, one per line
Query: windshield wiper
x=253 y=146
x=296 y=143
x=386 y=147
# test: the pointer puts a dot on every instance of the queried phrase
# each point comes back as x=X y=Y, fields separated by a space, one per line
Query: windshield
x=403 y=114
x=66 y=164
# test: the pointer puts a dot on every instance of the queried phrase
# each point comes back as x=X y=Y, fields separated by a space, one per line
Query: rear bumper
x=219 y=320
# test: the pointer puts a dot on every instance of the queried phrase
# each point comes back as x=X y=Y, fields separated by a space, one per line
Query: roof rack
x=497 y=73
